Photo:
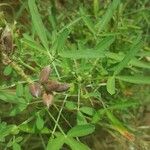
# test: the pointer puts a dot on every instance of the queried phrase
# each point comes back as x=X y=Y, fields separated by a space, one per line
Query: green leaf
x=104 y=44
x=19 y=139
x=75 y=145
x=56 y=144
x=39 y=122
x=135 y=79
x=7 y=70
x=78 y=54
x=19 y=90
x=96 y=4
x=108 y=15
x=52 y=16
x=60 y=41
x=140 y=64
x=114 y=120
x=31 y=128
x=132 y=52
x=27 y=93
x=118 y=126
x=16 y=146
x=8 y=97
x=27 y=40
x=87 y=110
x=37 y=22
x=111 y=85
x=81 y=130
x=121 y=105
x=6 y=130
x=97 y=52
x=18 y=109
x=81 y=119
x=70 y=105
x=88 y=22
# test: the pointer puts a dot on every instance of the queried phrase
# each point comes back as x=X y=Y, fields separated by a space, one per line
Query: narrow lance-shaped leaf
x=135 y=79
x=19 y=90
x=132 y=52
x=108 y=15
x=111 y=85
x=33 y=44
x=97 y=52
x=81 y=120
x=39 y=121
x=56 y=144
x=117 y=125
x=75 y=145
x=81 y=130
x=60 y=40
x=96 y=7
x=88 y=22
x=37 y=22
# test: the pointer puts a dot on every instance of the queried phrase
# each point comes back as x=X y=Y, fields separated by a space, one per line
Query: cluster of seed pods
x=44 y=87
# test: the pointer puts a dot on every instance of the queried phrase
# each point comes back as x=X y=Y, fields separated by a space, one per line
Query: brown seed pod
x=51 y=86
x=44 y=75
x=47 y=99
x=35 y=89
x=62 y=87
x=7 y=41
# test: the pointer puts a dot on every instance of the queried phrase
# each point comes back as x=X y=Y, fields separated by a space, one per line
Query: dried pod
x=44 y=75
x=7 y=41
x=62 y=87
x=51 y=86
x=47 y=99
x=35 y=89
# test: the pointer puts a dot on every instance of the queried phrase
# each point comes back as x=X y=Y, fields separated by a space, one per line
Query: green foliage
x=108 y=15
x=37 y=22
x=101 y=49
x=81 y=130
x=57 y=143
x=7 y=70
x=111 y=85
x=97 y=52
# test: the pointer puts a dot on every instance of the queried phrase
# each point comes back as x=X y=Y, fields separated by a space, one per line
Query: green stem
x=18 y=69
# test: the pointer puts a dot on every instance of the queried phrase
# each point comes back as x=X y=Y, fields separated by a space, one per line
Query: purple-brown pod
x=47 y=99
x=44 y=74
x=35 y=89
x=51 y=86
x=7 y=41
x=62 y=87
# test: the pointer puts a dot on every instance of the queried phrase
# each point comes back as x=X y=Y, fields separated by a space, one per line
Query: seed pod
x=7 y=41
x=35 y=89
x=44 y=75
x=62 y=87
x=51 y=86
x=47 y=99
